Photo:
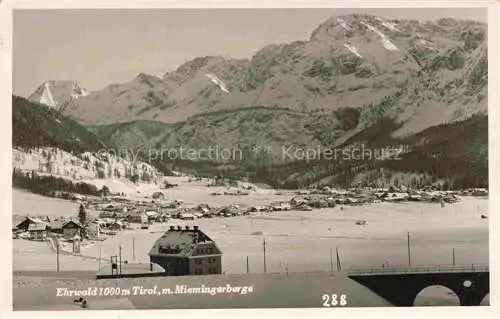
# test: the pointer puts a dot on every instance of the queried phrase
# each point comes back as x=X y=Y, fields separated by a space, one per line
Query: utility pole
x=248 y=268
x=264 y=250
x=57 y=251
x=120 y=268
x=453 y=251
x=339 y=264
x=133 y=248
x=331 y=260
x=100 y=254
x=409 y=251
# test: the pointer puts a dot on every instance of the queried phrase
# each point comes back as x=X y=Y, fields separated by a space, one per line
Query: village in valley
x=116 y=213
x=197 y=228
x=169 y=208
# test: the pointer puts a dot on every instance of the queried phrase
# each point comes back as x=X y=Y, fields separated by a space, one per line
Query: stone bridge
x=401 y=285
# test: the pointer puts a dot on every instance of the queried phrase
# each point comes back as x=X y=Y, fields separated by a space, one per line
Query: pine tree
x=105 y=190
x=445 y=186
x=82 y=215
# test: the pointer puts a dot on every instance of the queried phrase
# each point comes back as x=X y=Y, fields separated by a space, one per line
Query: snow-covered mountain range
x=437 y=70
x=358 y=79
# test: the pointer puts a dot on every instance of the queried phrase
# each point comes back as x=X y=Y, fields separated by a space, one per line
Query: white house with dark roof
x=38 y=231
x=186 y=251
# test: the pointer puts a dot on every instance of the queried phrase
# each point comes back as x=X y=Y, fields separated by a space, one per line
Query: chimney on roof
x=196 y=234
x=179 y=228
x=187 y=227
x=172 y=228
x=196 y=227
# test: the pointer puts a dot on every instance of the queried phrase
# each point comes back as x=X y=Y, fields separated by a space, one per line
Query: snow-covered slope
x=215 y=79
x=92 y=168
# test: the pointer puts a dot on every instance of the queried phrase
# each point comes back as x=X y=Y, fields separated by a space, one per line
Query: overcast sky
x=98 y=48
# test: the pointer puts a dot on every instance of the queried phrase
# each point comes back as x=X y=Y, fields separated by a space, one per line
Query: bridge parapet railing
x=417 y=269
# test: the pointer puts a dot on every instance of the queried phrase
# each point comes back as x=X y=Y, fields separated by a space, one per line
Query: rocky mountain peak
x=57 y=94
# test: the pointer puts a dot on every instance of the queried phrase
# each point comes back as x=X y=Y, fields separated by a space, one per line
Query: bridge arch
x=401 y=286
x=436 y=295
x=485 y=301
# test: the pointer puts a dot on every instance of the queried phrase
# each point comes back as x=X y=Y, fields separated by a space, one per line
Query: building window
x=211 y=260
x=198 y=271
x=197 y=261
x=212 y=270
x=209 y=250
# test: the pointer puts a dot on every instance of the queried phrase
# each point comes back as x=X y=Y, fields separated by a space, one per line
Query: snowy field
x=301 y=241
x=26 y=203
x=296 y=241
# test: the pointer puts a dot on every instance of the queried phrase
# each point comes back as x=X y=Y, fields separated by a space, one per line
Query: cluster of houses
x=117 y=213
x=35 y=228
x=474 y=192
x=325 y=196
x=231 y=192
x=205 y=211
x=39 y=228
x=122 y=211
x=145 y=214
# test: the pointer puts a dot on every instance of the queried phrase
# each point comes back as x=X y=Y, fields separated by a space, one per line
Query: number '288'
x=334 y=300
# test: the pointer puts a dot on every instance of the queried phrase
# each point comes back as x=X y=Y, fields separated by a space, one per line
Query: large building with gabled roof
x=186 y=251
